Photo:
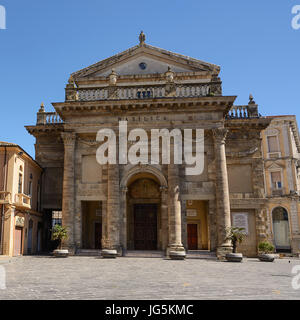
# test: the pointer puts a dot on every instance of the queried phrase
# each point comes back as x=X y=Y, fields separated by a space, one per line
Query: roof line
x=14 y=145
x=149 y=47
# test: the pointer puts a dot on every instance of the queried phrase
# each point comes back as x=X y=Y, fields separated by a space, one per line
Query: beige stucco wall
x=14 y=208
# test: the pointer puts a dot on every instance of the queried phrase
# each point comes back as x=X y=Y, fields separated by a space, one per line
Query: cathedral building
x=156 y=206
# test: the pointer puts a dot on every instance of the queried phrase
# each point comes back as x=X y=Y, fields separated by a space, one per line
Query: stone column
x=113 y=209
x=123 y=218
x=164 y=217
x=222 y=194
x=174 y=214
x=68 y=201
x=212 y=223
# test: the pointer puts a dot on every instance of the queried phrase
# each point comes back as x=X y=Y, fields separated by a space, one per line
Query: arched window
x=281 y=229
x=20 y=183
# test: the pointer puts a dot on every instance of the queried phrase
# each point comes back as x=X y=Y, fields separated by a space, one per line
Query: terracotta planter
x=266 y=257
x=177 y=255
x=60 y=253
x=234 y=257
x=109 y=254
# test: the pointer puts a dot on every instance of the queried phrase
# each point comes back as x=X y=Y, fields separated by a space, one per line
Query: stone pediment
x=143 y=60
x=274 y=166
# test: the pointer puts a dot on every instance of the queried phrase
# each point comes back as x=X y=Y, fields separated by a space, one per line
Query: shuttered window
x=273 y=144
x=276 y=180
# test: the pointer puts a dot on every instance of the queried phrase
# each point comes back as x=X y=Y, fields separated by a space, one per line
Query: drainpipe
x=5 y=169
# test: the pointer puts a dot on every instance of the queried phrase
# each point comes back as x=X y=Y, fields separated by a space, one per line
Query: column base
x=109 y=253
x=222 y=251
x=71 y=248
x=176 y=252
x=113 y=252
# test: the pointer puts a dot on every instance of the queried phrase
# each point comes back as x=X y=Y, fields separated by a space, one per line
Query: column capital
x=69 y=138
x=163 y=189
x=220 y=135
x=124 y=189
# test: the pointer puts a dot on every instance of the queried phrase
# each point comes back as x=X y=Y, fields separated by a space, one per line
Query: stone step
x=191 y=254
x=144 y=254
x=88 y=252
x=201 y=254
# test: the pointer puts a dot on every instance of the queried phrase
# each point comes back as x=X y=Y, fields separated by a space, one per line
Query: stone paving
x=46 y=277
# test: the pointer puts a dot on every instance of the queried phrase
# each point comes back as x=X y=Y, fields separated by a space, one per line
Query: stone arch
x=130 y=204
x=143 y=169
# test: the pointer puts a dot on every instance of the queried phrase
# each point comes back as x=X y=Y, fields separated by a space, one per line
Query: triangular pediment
x=274 y=166
x=142 y=60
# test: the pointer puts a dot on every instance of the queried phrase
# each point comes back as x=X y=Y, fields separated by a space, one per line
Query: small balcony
x=5 y=197
x=22 y=200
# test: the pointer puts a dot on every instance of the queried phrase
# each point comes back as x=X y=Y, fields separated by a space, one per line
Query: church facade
x=147 y=206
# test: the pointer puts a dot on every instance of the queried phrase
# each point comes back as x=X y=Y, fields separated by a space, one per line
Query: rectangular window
x=276 y=180
x=30 y=188
x=20 y=184
x=273 y=144
x=56 y=218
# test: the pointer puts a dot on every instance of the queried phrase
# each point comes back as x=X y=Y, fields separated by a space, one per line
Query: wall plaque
x=191 y=212
x=19 y=221
x=240 y=220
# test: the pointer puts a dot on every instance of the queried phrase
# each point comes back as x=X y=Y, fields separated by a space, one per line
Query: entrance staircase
x=191 y=254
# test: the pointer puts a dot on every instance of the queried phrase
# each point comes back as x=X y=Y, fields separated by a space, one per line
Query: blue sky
x=45 y=41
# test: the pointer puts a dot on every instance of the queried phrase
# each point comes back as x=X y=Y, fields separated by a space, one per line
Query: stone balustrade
x=238 y=112
x=48 y=118
x=23 y=200
x=243 y=112
x=145 y=92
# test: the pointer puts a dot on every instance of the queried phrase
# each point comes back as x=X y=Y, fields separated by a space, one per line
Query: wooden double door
x=145 y=226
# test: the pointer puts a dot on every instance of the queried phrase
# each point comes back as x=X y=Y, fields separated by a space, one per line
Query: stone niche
x=240 y=178
x=91 y=171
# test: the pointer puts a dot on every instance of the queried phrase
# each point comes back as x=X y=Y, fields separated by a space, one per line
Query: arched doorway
x=143 y=213
x=281 y=229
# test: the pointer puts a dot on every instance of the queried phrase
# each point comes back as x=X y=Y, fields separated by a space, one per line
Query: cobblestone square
x=45 y=277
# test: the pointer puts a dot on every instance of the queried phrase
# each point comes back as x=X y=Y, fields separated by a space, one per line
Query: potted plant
x=60 y=233
x=235 y=235
x=265 y=250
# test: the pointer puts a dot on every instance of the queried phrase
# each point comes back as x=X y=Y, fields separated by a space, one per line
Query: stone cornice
x=207 y=104
x=254 y=123
x=45 y=129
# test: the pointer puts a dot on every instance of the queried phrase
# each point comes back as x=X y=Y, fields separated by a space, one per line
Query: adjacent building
x=20 y=220
x=281 y=153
